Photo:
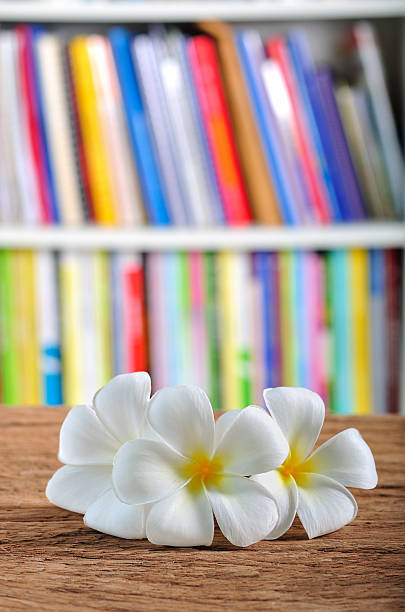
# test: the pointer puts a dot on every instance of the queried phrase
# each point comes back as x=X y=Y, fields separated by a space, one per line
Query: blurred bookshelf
x=368 y=235
x=324 y=22
x=192 y=11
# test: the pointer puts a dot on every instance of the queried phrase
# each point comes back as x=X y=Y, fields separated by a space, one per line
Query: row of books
x=232 y=323
x=215 y=126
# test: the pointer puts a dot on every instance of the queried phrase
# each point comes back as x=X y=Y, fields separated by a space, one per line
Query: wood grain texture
x=50 y=561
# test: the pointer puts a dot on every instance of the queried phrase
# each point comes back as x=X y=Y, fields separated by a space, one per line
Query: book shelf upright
x=332 y=15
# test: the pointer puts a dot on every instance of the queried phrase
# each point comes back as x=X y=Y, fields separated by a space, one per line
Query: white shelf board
x=197 y=10
x=367 y=235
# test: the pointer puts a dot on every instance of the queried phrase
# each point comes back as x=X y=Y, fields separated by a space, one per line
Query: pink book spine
x=316 y=328
x=198 y=328
x=156 y=321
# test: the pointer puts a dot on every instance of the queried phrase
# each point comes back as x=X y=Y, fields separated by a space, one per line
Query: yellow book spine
x=359 y=281
x=102 y=314
x=25 y=317
x=70 y=293
x=32 y=344
x=229 y=378
x=287 y=341
x=100 y=179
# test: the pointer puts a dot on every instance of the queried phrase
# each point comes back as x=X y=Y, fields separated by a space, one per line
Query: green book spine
x=212 y=327
x=288 y=336
x=8 y=353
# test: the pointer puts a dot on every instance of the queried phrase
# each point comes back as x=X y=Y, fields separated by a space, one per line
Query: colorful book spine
x=94 y=148
x=251 y=53
x=199 y=331
x=277 y=49
x=288 y=319
x=71 y=292
x=211 y=97
x=141 y=144
x=125 y=187
x=211 y=316
x=373 y=72
x=229 y=390
x=353 y=199
x=50 y=186
x=157 y=328
x=48 y=327
x=360 y=310
x=378 y=330
x=243 y=327
x=342 y=358
x=294 y=48
x=9 y=371
x=136 y=353
x=394 y=285
x=26 y=336
x=31 y=111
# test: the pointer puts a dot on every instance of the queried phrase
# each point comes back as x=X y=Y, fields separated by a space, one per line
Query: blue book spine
x=303 y=315
x=173 y=313
x=267 y=130
x=260 y=267
x=263 y=269
x=294 y=49
x=355 y=207
x=342 y=388
x=310 y=78
x=52 y=375
x=378 y=330
x=35 y=32
x=140 y=138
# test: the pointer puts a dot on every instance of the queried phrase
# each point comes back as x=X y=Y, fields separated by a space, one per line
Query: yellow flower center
x=292 y=466
x=201 y=469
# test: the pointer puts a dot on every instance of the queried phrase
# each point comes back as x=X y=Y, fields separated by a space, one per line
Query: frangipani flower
x=314 y=485
x=198 y=467
x=89 y=439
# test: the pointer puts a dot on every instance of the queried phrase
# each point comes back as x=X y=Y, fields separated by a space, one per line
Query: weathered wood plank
x=50 y=561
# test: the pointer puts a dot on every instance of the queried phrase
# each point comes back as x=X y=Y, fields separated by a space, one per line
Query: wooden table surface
x=50 y=561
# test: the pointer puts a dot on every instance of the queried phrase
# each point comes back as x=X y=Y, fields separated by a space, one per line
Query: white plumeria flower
x=314 y=485
x=89 y=440
x=198 y=467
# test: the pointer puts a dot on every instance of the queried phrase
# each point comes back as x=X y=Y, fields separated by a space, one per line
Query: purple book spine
x=350 y=183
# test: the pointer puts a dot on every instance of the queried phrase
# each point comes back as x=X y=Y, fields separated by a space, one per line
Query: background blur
x=210 y=191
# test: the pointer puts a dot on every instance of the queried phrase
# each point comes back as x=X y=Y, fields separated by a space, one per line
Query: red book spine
x=276 y=49
x=136 y=358
x=211 y=96
x=30 y=104
x=393 y=271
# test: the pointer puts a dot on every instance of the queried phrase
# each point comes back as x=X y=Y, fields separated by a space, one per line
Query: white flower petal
x=121 y=405
x=223 y=423
x=252 y=444
x=183 y=519
x=84 y=440
x=346 y=458
x=284 y=491
x=324 y=505
x=145 y=471
x=183 y=417
x=244 y=510
x=299 y=413
x=109 y=515
x=75 y=488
